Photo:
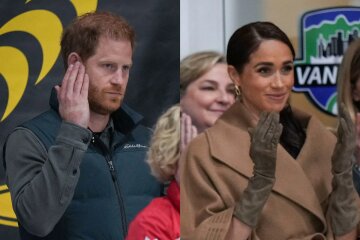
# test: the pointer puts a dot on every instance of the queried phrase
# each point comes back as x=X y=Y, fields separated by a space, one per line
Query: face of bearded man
x=105 y=100
x=108 y=71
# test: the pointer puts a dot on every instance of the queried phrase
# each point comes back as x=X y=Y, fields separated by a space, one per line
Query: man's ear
x=73 y=58
x=234 y=75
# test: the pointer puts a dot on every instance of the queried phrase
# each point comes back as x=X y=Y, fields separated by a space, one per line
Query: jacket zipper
x=113 y=173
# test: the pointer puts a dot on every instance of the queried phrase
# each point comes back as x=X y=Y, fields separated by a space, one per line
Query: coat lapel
x=230 y=143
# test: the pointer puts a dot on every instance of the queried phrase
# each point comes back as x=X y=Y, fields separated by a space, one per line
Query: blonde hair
x=195 y=65
x=347 y=77
x=164 y=151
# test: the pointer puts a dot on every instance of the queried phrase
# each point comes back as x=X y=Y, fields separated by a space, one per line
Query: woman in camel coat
x=297 y=189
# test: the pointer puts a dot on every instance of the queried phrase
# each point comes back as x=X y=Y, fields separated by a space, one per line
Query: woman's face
x=208 y=97
x=267 y=79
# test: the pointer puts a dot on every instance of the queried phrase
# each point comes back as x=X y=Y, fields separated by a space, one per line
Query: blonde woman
x=349 y=93
x=206 y=92
x=161 y=218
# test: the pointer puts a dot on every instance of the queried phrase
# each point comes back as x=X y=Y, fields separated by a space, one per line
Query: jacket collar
x=229 y=137
x=125 y=119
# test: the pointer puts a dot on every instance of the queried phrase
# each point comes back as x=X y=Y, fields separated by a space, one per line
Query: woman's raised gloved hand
x=263 y=150
x=343 y=207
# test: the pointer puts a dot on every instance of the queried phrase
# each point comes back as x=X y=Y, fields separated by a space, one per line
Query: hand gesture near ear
x=263 y=150
x=73 y=96
x=343 y=208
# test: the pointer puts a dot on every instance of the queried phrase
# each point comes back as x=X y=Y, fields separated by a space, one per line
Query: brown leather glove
x=264 y=141
x=343 y=209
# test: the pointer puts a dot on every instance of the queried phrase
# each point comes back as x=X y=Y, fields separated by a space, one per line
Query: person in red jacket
x=160 y=220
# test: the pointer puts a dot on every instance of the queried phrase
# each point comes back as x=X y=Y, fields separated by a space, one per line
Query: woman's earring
x=237 y=91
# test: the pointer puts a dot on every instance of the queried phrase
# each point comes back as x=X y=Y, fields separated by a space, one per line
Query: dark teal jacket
x=113 y=184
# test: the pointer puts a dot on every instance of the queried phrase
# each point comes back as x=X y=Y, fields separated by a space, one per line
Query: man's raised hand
x=72 y=95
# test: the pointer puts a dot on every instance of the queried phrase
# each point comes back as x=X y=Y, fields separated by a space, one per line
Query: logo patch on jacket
x=134 y=145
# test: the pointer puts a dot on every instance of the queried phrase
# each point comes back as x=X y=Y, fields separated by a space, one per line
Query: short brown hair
x=82 y=35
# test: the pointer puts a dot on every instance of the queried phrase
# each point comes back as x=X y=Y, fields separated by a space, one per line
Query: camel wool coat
x=216 y=167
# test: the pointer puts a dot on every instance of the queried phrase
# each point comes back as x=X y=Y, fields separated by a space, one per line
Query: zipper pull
x=112 y=170
x=111 y=166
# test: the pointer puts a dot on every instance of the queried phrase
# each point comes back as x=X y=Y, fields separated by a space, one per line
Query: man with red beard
x=78 y=170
